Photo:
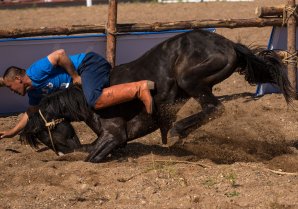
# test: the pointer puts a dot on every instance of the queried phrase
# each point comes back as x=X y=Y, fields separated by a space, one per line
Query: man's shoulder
x=39 y=66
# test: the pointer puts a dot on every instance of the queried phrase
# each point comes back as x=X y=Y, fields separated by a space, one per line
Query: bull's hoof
x=91 y=160
x=172 y=141
x=173 y=138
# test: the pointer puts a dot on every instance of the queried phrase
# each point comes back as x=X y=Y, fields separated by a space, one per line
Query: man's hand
x=77 y=80
x=7 y=134
x=19 y=126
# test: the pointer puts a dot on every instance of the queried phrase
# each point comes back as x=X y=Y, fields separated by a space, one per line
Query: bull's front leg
x=113 y=135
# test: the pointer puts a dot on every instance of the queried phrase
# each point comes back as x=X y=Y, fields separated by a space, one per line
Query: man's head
x=16 y=80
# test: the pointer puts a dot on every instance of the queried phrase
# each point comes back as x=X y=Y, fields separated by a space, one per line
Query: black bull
x=187 y=65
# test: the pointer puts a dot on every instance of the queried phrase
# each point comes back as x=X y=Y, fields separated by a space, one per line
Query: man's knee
x=92 y=97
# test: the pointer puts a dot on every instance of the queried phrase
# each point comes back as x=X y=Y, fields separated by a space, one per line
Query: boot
x=126 y=92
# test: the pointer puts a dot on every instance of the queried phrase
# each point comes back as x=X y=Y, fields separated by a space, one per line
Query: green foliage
x=209 y=182
x=231 y=177
x=232 y=194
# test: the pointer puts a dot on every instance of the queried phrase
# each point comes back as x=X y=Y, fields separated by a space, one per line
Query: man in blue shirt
x=58 y=71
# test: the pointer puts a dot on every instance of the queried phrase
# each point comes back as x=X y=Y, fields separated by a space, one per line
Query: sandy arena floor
x=244 y=159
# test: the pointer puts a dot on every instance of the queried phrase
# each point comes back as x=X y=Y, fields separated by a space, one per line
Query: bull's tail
x=265 y=67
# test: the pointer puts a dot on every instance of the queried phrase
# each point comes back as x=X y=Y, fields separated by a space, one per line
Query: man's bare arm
x=19 y=126
x=60 y=58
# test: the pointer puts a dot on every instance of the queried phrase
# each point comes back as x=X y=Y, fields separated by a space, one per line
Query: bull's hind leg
x=197 y=81
x=211 y=109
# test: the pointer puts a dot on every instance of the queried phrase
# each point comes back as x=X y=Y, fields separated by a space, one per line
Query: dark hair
x=13 y=71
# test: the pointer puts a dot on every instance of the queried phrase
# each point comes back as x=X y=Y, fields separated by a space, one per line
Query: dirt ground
x=247 y=158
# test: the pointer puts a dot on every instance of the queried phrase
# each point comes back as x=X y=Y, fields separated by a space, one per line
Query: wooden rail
x=276 y=11
x=111 y=33
x=143 y=27
x=291 y=26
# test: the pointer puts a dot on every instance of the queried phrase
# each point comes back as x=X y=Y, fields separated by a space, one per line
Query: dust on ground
x=245 y=159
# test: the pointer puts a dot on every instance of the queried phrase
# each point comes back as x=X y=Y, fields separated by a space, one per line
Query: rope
x=290 y=58
x=50 y=125
x=111 y=32
x=288 y=12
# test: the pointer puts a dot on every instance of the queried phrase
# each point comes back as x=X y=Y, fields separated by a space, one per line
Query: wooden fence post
x=111 y=32
x=291 y=28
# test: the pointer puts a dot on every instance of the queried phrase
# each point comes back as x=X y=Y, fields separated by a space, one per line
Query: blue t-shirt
x=47 y=78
